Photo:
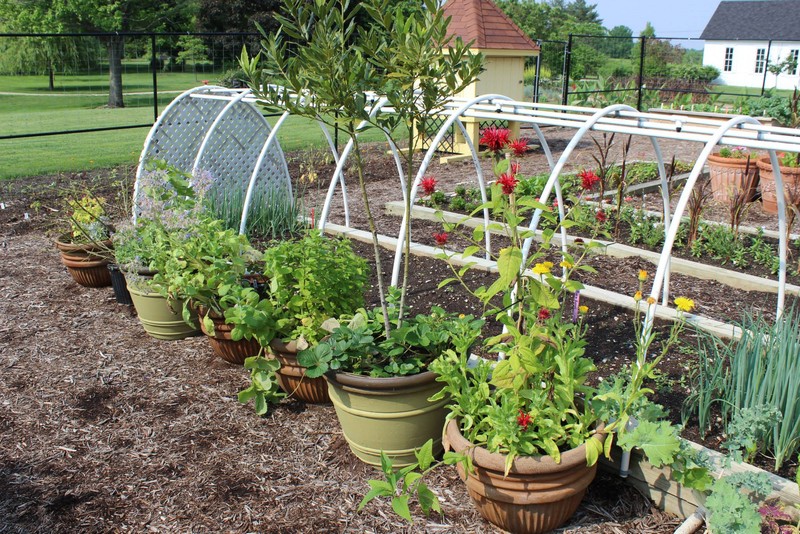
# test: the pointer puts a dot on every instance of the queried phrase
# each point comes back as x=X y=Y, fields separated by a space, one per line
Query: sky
x=670 y=18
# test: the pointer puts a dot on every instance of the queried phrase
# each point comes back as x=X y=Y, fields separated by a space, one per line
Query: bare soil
x=106 y=429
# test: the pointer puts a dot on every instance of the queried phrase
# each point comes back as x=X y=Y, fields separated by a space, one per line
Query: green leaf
x=659 y=441
x=425 y=455
x=428 y=500
x=380 y=488
x=400 y=507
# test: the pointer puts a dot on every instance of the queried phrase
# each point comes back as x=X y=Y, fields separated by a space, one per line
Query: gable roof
x=755 y=21
x=482 y=22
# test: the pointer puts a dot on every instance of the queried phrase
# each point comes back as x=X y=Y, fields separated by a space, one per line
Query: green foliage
x=761 y=369
x=700 y=73
x=730 y=510
x=311 y=280
x=273 y=213
x=770 y=105
x=722 y=244
x=263 y=388
x=361 y=347
x=88 y=220
x=748 y=428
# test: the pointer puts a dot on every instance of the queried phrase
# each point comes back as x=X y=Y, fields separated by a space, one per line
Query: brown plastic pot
x=791 y=185
x=391 y=415
x=87 y=263
x=538 y=495
x=292 y=376
x=224 y=346
x=731 y=175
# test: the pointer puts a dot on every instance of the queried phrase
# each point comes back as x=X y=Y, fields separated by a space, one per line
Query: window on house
x=728 y=60
x=794 y=55
x=761 y=54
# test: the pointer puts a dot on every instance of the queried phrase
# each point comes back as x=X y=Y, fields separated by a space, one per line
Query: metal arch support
x=783 y=244
x=221 y=115
x=335 y=154
x=587 y=126
x=263 y=154
x=481 y=185
x=456 y=114
x=681 y=206
x=155 y=128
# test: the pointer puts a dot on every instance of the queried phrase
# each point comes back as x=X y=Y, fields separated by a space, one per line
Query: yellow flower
x=651 y=301
x=583 y=309
x=566 y=264
x=542 y=268
x=461 y=315
x=642 y=275
x=684 y=304
x=637 y=296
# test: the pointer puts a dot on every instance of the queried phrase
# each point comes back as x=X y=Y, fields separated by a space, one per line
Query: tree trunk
x=51 y=75
x=116 y=48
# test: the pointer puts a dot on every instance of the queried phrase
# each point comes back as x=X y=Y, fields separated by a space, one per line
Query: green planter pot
x=392 y=415
x=157 y=317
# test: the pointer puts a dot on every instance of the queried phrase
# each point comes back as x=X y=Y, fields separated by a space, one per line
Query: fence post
x=641 y=73
x=153 y=67
x=567 y=58
x=537 y=73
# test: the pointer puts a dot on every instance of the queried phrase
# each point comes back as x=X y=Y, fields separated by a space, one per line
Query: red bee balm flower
x=601 y=216
x=519 y=146
x=441 y=238
x=514 y=168
x=523 y=420
x=428 y=184
x=509 y=183
x=544 y=314
x=495 y=138
x=588 y=179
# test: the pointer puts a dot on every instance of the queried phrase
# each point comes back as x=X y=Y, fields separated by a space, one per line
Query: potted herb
x=311 y=280
x=86 y=248
x=733 y=170
x=790 y=173
x=380 y=386
x=527 y=430
x=168 y=207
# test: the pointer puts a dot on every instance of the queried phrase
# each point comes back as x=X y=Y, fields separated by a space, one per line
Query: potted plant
x=790 y=173
x=311 y=280
x=733 y=170
x=86 y=248
x=527 y=430
x=168 y=207
x=380 y=386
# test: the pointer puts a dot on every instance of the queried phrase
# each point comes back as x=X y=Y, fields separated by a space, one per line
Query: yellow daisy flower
x=642 y=275
x=637 y=296
x=684 y=304
x=542 y=268
x=583 y=309
x=651 y=301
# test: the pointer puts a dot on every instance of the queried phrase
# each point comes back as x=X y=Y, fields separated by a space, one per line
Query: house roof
x=755 y=20
x=482 y=22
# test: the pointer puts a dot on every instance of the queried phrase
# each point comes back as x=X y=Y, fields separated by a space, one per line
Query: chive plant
x=273 y=214
x=760 y=369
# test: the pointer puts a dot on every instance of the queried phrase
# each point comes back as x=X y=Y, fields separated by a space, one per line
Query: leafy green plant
x=88 y=220
x=731 y=510
x=311 y=280
x=263 y=389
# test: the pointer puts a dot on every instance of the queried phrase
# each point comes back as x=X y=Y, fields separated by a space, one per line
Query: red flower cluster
x=428 y=184
x=544 y=314
x=495 y=138
x=519 y=146
x=508 y=181
x=441 y=238
x=588 y=179
x=600 y=216
x=523 y=420
x=514 y=168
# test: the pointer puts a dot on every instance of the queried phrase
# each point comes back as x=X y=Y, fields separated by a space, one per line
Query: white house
x=743 y=37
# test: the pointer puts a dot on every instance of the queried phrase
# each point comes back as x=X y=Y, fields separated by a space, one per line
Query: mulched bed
x=106 y=429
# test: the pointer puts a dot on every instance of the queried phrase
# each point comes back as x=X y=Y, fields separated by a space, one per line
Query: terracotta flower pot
x=538 y=495
x=157 y=317
x=392 y=415
x=791 y=185
x=86 y=263
x=731 y=175
x=224 y=346
x=292 y=376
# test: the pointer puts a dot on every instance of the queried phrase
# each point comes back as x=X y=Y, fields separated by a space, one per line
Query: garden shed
x=505 y=48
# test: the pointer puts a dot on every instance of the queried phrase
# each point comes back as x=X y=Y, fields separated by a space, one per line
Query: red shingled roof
x=482 y=22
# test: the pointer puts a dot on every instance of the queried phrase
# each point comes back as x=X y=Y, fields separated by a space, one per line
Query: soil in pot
x=292 y=376
x=225 y=347
x=87 y=262
x=157 y=317
x=392 y=415
x=538 y=495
